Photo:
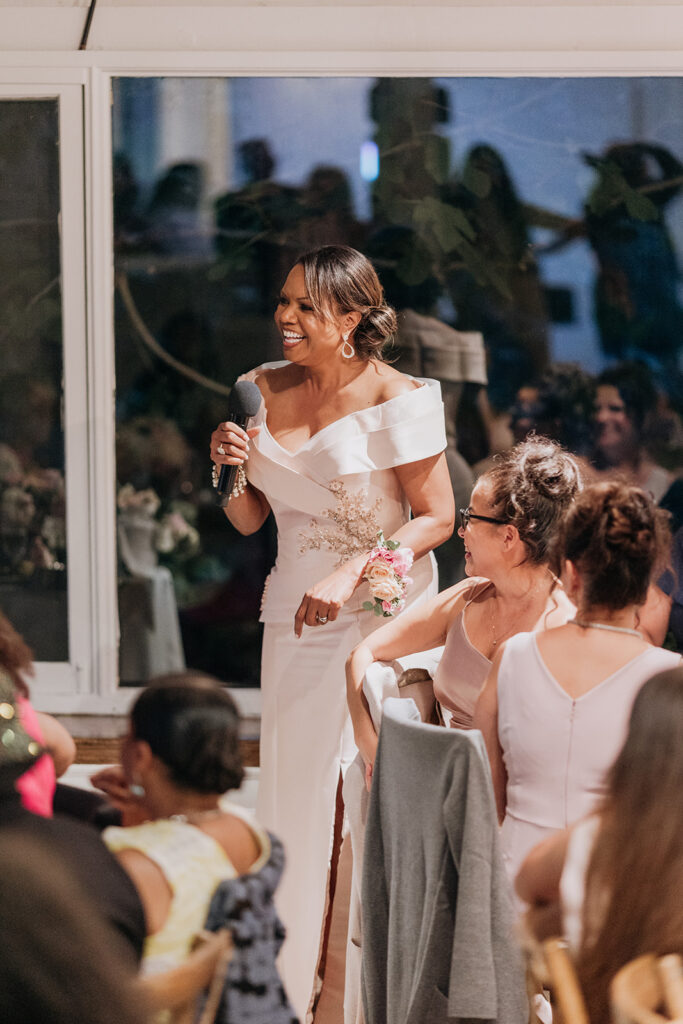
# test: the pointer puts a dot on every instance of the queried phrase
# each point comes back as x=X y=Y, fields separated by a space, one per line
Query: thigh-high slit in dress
x=330 y=499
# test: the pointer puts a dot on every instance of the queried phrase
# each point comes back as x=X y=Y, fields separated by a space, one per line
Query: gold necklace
x=510 y=632
x=192 y=816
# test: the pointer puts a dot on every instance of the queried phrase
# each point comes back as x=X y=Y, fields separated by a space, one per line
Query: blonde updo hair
x=532 y=487
x=341 y=280
x=617 y=538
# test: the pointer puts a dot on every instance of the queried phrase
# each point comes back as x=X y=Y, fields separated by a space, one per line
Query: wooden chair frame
x=177 y=989
x=648 y=990
x=550 y=968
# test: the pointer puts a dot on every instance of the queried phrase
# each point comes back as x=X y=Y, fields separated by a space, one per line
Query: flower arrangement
x=32 y=518
x=386 y=570
x=173 y=533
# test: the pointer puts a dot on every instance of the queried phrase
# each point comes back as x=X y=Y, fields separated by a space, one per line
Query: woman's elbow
x=446 y=524
x=442 y=522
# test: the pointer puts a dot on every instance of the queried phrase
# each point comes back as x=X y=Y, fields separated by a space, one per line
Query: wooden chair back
x=550 y=970
x=648 y=990
x=177 y=990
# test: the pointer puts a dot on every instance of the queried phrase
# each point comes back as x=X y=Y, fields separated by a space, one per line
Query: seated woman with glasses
x=554 y=710
x=509 y=529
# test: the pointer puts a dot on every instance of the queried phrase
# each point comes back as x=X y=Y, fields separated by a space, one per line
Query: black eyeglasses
x=466 y=514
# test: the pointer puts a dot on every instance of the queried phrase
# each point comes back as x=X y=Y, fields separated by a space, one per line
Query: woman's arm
x=486 y=720
x=153 y=889
x=427 y=486
x=418 y=629
x=58 y=742
x=248 y=511
x=538 y=879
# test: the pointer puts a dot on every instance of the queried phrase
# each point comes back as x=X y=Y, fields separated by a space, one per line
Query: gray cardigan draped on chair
x=438 y=942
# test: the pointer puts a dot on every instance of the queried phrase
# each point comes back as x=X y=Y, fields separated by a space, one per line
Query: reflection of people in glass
x=174 y=212
x=501 y=296
x=327 y=216
x=251 y=227
x=636 y=303
x=427 y=347
x=559 y=406
x=343 y=446
x=32 y=514
x=624 y=398
x=129 y=226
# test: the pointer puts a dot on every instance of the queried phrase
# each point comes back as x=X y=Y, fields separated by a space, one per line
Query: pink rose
x=402 y=560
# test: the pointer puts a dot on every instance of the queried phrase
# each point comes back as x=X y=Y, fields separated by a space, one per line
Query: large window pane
x=542 y=219
x=33 y=553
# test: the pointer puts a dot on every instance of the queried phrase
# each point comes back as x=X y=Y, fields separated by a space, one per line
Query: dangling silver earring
x=137 y=790
x=348 y=351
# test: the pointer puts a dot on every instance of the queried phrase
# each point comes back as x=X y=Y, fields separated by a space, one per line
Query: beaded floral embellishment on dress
x=353 y=525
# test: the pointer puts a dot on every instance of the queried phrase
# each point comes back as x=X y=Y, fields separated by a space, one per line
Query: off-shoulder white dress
x=330 y=499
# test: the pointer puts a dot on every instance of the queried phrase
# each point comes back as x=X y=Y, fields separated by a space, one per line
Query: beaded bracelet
x=240 y=484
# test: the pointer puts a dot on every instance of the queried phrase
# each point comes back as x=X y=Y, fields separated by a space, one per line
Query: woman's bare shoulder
x=272 y=380
x=392 y=382
x=460 y=594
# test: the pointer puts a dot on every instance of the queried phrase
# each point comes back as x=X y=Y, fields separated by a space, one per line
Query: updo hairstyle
x=616 y=537
x=191 y=724
x=341 y=280
x=532 y=486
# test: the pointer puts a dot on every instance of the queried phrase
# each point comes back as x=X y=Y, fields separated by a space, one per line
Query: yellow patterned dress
x=193 y=864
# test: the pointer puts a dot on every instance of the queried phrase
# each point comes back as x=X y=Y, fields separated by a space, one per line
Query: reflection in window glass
x=32 y=498
x=529 y=232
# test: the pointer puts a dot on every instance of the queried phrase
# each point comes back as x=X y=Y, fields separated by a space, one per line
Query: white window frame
x=62 y=681
x=89 y=683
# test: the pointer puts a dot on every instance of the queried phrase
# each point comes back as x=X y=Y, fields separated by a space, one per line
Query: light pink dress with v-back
x=557 y=749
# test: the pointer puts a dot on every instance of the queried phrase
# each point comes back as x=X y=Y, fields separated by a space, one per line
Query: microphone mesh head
x=245 y=399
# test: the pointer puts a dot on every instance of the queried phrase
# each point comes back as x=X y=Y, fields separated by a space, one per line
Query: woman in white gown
x=343 y=446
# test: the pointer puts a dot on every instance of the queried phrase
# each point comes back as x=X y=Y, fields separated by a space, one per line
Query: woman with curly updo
x=555 y=707
x=344 y=448
x=509 y=529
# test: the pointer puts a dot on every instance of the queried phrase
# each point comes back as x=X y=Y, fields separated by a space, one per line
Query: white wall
x=314 y=28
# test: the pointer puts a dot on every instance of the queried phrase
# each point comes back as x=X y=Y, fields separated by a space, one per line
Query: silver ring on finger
x=220 y=449
x=322 y=619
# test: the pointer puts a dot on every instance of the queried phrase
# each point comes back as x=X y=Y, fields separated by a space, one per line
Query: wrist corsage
x=386 y=570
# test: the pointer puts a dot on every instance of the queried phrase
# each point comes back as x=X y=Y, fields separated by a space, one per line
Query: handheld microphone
x=244 y=402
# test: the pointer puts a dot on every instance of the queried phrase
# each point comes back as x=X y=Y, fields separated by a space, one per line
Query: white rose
x=379 y=571
x=387 y=590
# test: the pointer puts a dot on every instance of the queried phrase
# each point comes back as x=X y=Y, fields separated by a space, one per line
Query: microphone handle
x=228 y=474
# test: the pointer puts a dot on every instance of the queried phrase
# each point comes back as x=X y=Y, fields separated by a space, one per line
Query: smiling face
x=615 y=433
x=307 y=338
x=483 y=541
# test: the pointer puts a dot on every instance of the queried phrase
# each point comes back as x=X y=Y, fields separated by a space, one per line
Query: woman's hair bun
x=532 y=485
x=617 y=538
x=191 y=724
x=377 y=326
x=550 y=470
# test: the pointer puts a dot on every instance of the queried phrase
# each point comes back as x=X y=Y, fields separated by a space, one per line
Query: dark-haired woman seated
x=180 y=756
x=555 y=707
